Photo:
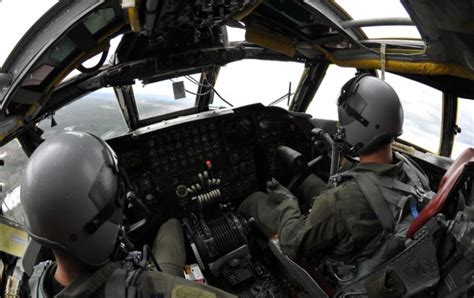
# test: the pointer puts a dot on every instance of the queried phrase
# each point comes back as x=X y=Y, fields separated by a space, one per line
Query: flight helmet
x=370 y=113
x=72 y=196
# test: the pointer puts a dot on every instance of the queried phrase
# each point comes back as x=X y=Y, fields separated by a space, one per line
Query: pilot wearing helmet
x=343 y=231
x=73 y=197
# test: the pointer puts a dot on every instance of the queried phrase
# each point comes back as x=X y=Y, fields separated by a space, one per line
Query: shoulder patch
x=191 y=292
x=338 y=178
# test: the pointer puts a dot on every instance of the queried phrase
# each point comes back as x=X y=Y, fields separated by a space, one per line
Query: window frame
x=448 y=114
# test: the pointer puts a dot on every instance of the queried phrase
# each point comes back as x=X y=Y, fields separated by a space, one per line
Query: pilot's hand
x=278 y=192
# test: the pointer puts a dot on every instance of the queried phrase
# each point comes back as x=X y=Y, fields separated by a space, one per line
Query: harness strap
x=376 y=200
x=415 y=191
x=393 y=184
x=99 y=278
x=376 y=190
x=123 y=282
x=414 y=173
x=116 y=286
x=417 y=186
x=35 y=279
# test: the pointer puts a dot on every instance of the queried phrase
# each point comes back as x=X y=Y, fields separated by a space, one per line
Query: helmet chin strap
x=344 y=148
x=354 y=150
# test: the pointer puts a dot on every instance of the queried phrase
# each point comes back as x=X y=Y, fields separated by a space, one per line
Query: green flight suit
x=170 y=254
x=149 y=284
x=168 y=248
x=339 y=224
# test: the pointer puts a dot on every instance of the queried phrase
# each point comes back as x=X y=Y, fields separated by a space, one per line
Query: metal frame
x=40 y=37
x=377 y=22
x=308 y=86
x=448 y=124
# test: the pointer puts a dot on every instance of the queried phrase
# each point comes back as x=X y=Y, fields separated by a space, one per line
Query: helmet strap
x=104 y=214
x=344 y=147
x=347 y=91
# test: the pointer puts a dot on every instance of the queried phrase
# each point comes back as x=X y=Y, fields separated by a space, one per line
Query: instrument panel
x=198 y=168
x=226 y=154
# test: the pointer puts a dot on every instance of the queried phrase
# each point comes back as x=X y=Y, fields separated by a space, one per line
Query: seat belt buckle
x=424 y=197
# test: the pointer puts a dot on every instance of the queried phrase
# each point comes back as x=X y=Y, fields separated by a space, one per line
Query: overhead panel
x=261 y=36
x=447 y=28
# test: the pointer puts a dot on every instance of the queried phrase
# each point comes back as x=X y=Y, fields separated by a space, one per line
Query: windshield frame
x=315 y=74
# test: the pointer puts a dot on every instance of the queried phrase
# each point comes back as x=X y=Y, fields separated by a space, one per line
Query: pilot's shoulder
x=171 y=286
x=342 y=195
x=345 y=186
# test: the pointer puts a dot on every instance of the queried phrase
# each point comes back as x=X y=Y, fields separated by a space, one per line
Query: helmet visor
x=351 y=109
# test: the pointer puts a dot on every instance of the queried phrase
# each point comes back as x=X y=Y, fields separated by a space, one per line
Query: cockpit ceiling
x=351 y=48
x=307 y=31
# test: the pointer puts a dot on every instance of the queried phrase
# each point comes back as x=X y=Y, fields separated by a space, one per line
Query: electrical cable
x=207 y=86
x=99 y=64
x=147 y=248
x=205 y=93
x=217 y=93
x=194 y=81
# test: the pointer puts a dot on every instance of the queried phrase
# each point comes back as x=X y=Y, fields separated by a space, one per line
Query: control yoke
x=294 y=162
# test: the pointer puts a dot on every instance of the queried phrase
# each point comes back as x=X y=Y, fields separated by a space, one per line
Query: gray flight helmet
x=370 y=113
x=71 y=194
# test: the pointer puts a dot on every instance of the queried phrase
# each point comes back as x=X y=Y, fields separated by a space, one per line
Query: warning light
x=209 y=164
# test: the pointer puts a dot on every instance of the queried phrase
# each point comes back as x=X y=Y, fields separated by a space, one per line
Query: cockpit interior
x=199 y=160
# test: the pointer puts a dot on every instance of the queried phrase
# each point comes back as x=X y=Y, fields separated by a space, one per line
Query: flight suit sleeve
x=308 y=234
x=262 y=209
x=310 y=188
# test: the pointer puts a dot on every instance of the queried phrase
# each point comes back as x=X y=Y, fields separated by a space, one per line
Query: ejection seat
x=411 y=271
x=416 y=269
x=448 y=182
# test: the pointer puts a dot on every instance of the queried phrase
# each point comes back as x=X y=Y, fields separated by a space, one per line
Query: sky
x=269 y=80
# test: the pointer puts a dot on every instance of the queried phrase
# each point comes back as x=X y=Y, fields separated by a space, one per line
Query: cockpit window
x=421 y=105
x=465 y=122
x=13 y=26
x=323 y=105
x=97 y=113
x=166 y=96
x=99 y=20
x=235 y=34
x=62 y=50
x=254 y=81
x=422 y=111
x=367 y=9
x=10 y=179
